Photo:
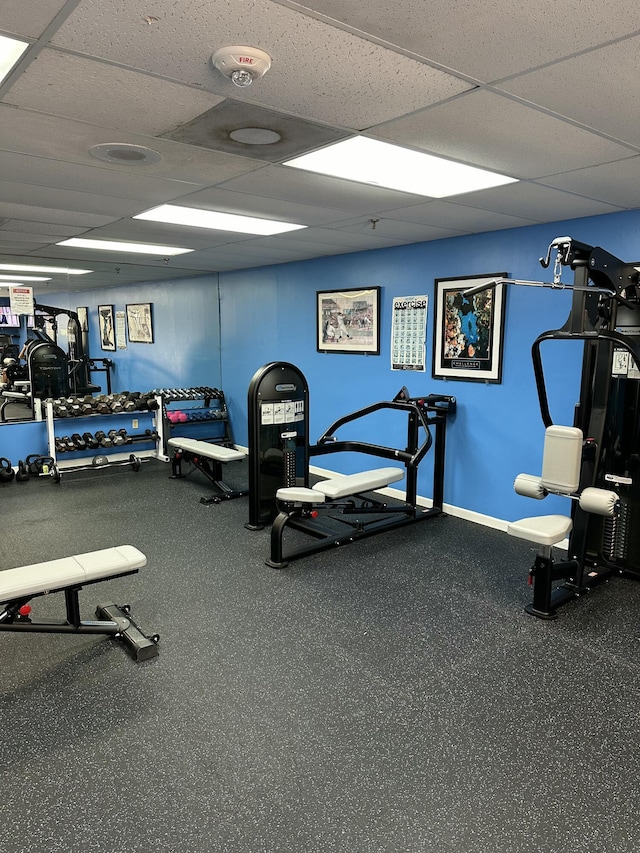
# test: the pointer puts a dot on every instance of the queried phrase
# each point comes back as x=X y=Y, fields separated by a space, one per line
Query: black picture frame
x=468 y=334
x=140 y=323
x=106 y=328
x=348 y=321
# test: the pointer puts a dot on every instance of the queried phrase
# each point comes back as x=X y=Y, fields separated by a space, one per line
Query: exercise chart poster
x=409 y=333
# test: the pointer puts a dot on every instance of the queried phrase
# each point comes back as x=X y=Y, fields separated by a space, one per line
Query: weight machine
x=604 y=532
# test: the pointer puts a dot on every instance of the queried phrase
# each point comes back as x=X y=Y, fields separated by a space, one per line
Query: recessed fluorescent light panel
x=10 y=52
x=23 y=278
x=122 y=246
x=173 y=214
x=30 y=268
x=368 y=161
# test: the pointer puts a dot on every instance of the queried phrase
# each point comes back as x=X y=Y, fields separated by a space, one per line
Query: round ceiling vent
x=255 y=136
x=123 y=153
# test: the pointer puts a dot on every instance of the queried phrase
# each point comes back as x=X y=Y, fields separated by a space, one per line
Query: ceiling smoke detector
x=241 y=64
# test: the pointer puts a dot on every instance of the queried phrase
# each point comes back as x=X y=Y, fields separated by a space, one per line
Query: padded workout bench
x=68 y=575
x=209 y=459
x=298 y=503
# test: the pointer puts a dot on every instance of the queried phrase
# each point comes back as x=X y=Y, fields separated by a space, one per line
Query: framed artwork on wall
x=348 y=321
x=83 y=318
x=139 y=323
x=469 y=330
x=107 y=329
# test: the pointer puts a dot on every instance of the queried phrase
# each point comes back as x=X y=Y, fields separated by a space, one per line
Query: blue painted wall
x=219 y=329
x=269 y=314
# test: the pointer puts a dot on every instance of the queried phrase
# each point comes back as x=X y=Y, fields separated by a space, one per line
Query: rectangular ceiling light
x=31 y=268
x=122 y=246
x=368 y=161
x=173 y=214
x=23 y=278
x=10 y=52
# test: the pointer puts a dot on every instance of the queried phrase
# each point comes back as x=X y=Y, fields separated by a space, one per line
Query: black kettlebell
x=6 y=471
x=32 y=462
x=23 y=474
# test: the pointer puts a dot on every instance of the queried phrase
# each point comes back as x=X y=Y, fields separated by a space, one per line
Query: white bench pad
x=205 y=448
x=300 y=494
x=69 y=571
x=353 y=484
x=542 y=529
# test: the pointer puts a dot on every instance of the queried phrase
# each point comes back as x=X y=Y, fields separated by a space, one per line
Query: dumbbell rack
x=204 y=410
x=84 y=460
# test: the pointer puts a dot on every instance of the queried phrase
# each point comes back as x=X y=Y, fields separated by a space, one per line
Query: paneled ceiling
x=546 y=92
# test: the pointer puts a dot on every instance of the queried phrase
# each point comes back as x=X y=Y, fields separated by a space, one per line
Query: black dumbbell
x=91 y=440
x=79 y=441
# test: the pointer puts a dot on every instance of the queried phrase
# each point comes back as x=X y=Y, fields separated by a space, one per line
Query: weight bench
x=209 y=459
x=68 y=575
x=561 y=469
x=299 y=507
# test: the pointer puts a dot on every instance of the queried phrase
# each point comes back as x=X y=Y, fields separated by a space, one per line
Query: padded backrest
x=562 y=459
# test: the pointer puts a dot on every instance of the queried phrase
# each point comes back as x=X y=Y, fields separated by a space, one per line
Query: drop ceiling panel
x=69 y=141
x=296 y=186
x=46 y=229
x=59 y=199
x=46 y=172
x=106 y=95
x=542 y=203
x=488 y=40
x=29 y=18
x=446 y=214
x=305 y=78
x=212 y=129
x=53 y=215
x=497 y=133
x=600 y=89
x=618 y=183
x=398 y=231
x=255 y=205
x=141 y=231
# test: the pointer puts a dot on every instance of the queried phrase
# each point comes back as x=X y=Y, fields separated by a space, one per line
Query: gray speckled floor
x=387 y=696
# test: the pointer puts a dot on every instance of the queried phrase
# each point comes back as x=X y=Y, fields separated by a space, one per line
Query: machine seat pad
x=69 y=571
x=353 y=484
x=206 y=449
x=541 y=529
x=300 y=494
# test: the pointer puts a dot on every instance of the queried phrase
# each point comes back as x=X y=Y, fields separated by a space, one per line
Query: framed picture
x=469 y=330
x=83 y=319
x=107 y=330
x=139 y=323
x=348 y=321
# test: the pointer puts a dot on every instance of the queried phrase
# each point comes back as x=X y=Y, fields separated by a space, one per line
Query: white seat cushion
x=541 y=529
x=206 y=449
x=353 y=484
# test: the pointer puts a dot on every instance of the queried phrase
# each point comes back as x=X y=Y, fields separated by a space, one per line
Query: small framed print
x=139 y=323
x=107 y=328
x=348 y=321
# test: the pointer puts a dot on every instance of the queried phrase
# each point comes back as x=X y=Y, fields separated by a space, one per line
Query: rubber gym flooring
x=386 y=696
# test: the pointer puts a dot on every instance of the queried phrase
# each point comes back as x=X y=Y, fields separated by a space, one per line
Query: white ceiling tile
x=618 y=183
x=53 y=215
x=60 y=199
x=47 y=172
x=498 y=133
x=66 y=140
x=316 y=67
x=256 y=205
x=538 y=202
x=448 y=214
x=43 y=228
x=30 y=17
x=296 y=186
x=600 y=89
x=397 y=230
x=487 y=40
x=106 y=95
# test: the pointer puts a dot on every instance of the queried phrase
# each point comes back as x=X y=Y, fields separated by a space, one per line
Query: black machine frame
x=606 y=300
x=363 y=514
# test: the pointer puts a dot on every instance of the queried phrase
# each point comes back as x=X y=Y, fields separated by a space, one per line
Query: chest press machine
x=595 y=462
x=342 y=509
